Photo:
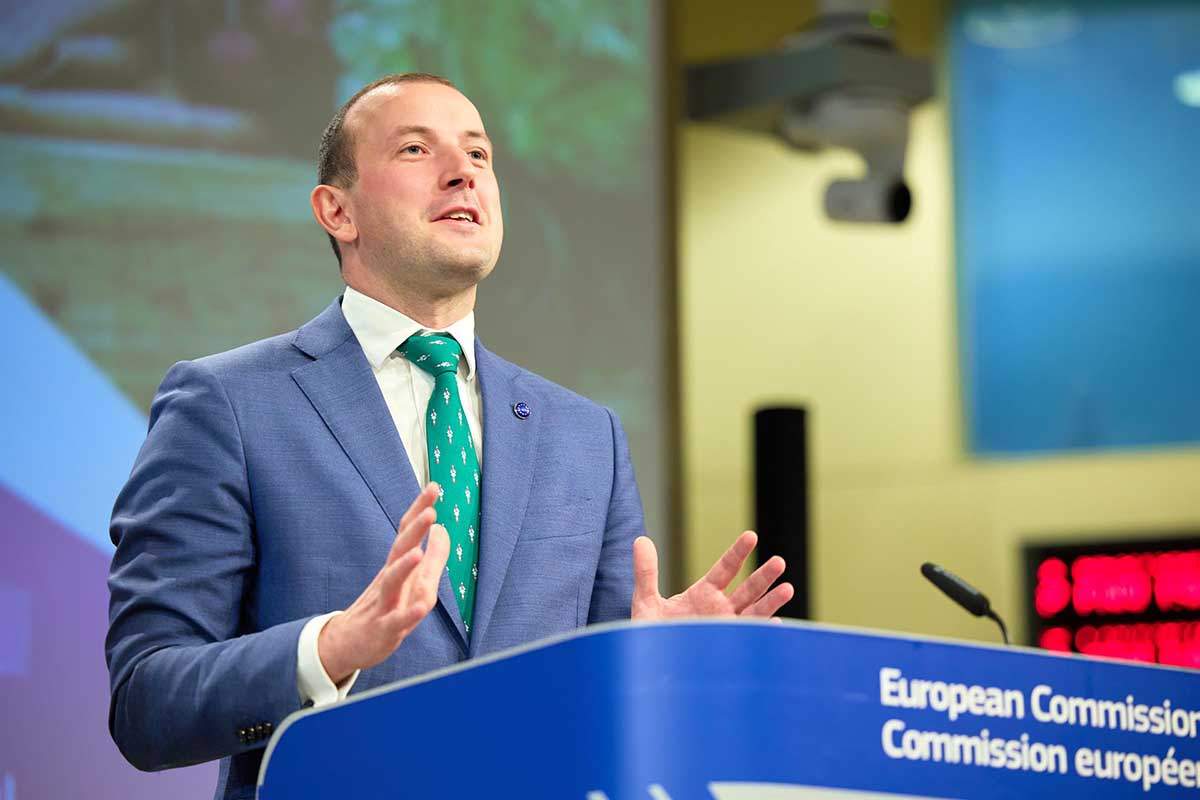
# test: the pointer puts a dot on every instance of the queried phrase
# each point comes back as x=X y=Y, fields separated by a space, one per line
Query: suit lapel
x=509 y=444
x=342 y=388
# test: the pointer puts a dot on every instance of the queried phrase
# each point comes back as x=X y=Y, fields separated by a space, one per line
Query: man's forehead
x=428 y=106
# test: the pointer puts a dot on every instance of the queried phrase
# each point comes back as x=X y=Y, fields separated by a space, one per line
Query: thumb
x=645 y=570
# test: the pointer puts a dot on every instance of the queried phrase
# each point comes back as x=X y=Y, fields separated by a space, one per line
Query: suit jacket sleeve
x=186 y=672
x=612 y=592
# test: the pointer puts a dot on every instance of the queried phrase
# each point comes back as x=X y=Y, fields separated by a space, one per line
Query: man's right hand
x=398 y=598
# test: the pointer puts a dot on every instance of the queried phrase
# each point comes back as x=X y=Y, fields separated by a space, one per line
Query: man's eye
x=413 y=149
x=479 y=155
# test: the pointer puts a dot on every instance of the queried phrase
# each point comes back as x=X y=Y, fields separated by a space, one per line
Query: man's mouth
x=460 y=214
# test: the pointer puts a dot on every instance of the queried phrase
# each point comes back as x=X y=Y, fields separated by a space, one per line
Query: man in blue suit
x=275 y=546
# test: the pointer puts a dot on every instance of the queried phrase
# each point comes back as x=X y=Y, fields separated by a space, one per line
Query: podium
x=737 y=710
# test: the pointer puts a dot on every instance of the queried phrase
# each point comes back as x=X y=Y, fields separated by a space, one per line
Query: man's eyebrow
x=478 y=135
x=408 y=130
x=421 y=130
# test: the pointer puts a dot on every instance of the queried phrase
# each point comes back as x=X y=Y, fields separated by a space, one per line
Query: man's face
x=426 y=203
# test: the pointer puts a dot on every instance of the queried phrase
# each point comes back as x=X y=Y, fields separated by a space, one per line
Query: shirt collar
x=381 y=329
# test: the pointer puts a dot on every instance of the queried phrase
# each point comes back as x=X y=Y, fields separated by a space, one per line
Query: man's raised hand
x=706 y=597
x=395 y=601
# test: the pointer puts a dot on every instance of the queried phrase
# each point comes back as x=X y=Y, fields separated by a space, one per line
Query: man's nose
x=459 y=172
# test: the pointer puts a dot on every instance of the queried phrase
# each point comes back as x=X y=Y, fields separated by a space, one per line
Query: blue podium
x=737 y=710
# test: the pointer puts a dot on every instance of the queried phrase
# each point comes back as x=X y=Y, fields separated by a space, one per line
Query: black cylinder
x=781 y=497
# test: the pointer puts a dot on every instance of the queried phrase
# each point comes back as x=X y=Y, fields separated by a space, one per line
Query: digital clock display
x=1137 y=600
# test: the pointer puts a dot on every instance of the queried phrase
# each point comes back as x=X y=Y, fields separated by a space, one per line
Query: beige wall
x=778 y=304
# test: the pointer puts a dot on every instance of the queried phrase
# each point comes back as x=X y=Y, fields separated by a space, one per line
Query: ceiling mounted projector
x=839 y=82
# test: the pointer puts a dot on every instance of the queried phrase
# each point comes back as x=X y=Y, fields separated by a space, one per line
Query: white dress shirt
x=406 y=390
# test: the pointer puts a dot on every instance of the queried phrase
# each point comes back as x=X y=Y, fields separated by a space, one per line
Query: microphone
x=963 y=593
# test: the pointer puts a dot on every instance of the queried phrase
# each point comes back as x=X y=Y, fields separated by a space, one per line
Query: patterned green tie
x=452 y=461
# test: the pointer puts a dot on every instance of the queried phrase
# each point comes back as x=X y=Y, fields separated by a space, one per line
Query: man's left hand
x=706 y=597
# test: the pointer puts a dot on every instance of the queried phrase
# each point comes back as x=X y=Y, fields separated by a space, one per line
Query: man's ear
x=330 y=210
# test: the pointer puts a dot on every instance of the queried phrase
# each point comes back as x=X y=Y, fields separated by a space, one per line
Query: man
x=280 y=479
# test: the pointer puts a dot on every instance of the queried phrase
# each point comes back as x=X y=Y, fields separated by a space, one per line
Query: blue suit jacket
x=268 y=491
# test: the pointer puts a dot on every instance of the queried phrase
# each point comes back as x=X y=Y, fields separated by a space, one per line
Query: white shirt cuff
x=314 y=683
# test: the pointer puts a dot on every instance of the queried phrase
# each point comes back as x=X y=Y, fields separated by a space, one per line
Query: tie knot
x=434 y=352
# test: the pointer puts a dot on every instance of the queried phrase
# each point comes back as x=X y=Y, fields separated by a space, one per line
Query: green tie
x=452 y=461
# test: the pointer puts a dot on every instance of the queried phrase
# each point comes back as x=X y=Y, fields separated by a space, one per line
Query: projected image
x=1074 y=129
x=155 y=164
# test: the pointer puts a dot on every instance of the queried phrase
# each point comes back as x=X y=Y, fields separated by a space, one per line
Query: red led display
x=1178 y=643
x=1175 y=643
x=1135 y=642
x=1123 y=584
x=1053 y=592
x=1152 y=600
x=1176 y=580
x=1058 y=638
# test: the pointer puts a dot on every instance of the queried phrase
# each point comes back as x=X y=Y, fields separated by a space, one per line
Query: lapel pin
x=521 y=410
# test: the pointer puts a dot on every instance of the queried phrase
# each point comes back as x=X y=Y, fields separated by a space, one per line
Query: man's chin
x=470 y=267
x=455 y=278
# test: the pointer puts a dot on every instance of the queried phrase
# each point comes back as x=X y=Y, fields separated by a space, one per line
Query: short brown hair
x=335 y=156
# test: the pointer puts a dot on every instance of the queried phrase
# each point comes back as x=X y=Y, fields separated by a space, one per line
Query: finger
x=410 y=535
x=403 y=620
x=425 y=499
x=772 y=602
x=645 y=570
x=419 y=592
x=757 y=584
x=433 y=560
x=394 y=575
x=727 y=565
